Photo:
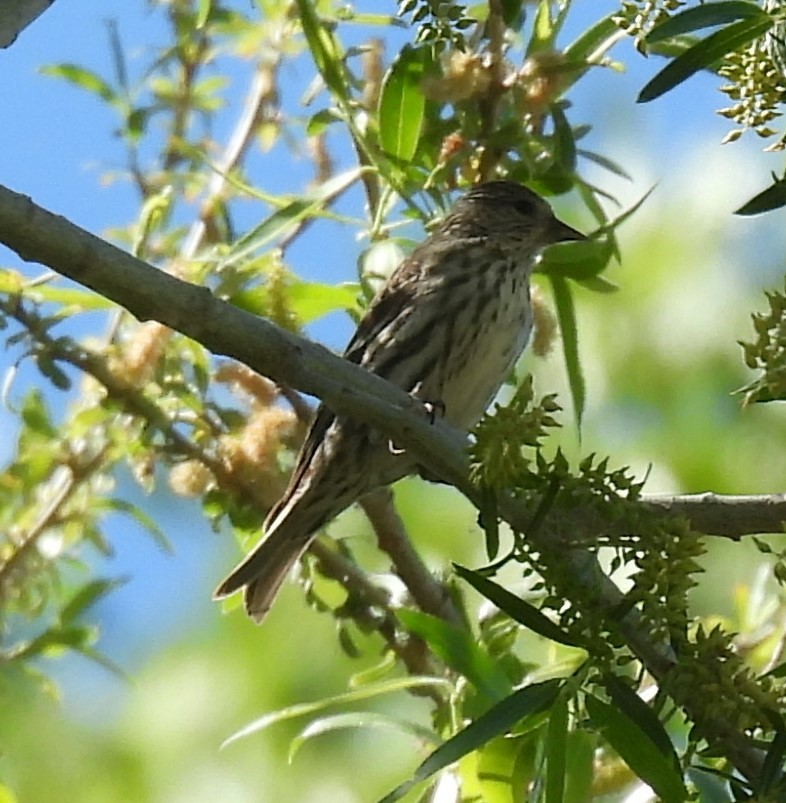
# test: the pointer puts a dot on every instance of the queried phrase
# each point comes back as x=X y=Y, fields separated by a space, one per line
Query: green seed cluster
x=755 y=84
x=638 y=17
x=717 y=687
x=767 y=354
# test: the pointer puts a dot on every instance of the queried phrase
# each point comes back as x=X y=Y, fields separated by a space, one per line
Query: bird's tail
x=263 y=571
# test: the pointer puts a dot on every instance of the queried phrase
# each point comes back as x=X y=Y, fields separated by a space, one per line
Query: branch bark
x=150 y=294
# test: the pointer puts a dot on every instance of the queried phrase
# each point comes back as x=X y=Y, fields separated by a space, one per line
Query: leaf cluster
x=746 y=50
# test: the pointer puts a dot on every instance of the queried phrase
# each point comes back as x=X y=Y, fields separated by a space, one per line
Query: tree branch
x=429 y=594
x=150 y=294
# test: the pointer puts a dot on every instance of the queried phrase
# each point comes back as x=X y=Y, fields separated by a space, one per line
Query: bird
x=447 y=327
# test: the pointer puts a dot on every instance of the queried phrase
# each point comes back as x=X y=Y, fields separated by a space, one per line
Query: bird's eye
x=524 y=207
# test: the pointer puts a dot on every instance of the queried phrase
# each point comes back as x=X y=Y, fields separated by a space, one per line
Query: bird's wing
x=393 y=301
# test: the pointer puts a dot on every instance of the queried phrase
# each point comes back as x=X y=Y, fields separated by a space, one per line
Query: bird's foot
x=434 y=409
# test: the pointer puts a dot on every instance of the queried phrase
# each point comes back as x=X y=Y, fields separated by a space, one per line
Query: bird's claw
x=434 y=409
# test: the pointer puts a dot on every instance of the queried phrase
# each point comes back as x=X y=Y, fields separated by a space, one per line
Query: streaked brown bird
x=447 y=327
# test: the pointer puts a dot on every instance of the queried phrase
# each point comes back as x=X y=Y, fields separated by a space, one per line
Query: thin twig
x=429 y=594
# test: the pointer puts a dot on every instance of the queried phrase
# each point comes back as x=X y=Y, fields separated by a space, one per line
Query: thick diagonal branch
x=150 y=294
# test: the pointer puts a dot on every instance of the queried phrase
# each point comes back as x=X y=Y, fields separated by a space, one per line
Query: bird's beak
x=559 y=232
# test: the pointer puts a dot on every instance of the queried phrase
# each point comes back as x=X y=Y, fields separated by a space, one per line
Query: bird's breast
x=482 y=343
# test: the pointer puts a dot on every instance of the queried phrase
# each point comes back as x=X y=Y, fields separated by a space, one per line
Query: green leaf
x=367 y=720
x=637 y=750
x=542 y=29
x=778 y=671
x=75 y=637
x=556 y=741
x=320 y=121
x=458 y=650
x=594 y=41
x=488 y=518
x=307 y=300
x=565 y=145
x=143 y=519
x=515 y=607
x=598 y=284
x=705 y=16
x=402 y=105
x=70 y=297
x=312 y=300
x=566 y=315
x=498 y=720
x=639 y=712
x=773 y=197
x=576 y=260
x=84 y=79
x=606 y=163
x=203 y=12
x=772 y=771
x=324 y=50
x=87 y=596
x=99 y=658
x=580 y=757
x=282 y=221
x=704 y=54
x=10 y=281
x=363 y=693
x=49 y=368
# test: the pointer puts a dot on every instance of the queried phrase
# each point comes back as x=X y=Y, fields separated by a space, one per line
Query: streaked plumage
x=447 y=327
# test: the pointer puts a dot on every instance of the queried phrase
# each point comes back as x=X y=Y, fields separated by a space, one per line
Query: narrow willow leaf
x=84 y=79
x=283 y=220
x=556 y=741
x=458 y=650
x=496 y=721
x=576 y=260
x=363 y=693
x=140 y=516
x=773 y=197
x=606 y=163
x=402 y=105
x=631 y=704
x=579 y=762
x=772 y=770
x=637 y=750
x=594 y=41
x=566 y=315
x=366 y=720
x=778 y=671
x=704 y=54
x=74 y=637
x=542 y=29
x=565 y=144
x=598 y=284
x=515 y=607
x=203 y=12
x=324 y=50
x=705 y=16
x=70 y=297
x=87 y=596
x=103 y=661
x=488 y=518
x=312 y=300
